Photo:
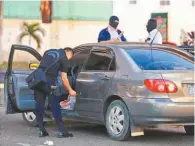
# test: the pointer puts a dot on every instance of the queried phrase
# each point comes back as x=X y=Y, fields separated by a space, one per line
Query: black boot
x=64 y=134
x=43 y=133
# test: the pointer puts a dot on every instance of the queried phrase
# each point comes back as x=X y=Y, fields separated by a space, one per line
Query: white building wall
x=59 y=34
x=133 y=17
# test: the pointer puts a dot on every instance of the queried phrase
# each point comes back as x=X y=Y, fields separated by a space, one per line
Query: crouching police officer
x=50 y=57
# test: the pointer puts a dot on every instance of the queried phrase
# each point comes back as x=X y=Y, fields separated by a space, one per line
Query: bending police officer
x=49 y=57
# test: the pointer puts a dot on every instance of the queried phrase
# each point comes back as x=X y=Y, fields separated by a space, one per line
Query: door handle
x=105 y=78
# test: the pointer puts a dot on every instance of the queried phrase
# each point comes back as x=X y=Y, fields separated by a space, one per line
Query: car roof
x=134 y=45
x=125 y=45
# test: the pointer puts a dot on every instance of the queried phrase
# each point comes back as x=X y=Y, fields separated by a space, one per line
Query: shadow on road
x=165 y=134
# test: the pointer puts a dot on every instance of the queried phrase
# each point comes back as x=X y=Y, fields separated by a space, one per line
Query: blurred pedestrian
x=154 y=35
x=111 y=33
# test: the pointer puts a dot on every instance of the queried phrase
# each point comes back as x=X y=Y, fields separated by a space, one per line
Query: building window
x=133 y=2
x=164 y=2
x=193 y=3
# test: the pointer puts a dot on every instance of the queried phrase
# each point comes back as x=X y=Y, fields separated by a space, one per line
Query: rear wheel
x=118 y=121
x=30 y=118
x=189 y=130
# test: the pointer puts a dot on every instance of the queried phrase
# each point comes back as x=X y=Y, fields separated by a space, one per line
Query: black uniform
x=49 y=57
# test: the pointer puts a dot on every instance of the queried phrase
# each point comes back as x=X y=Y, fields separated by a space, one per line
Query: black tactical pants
x=55 y=107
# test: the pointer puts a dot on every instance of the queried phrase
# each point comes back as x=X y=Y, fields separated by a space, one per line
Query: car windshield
x=159 y=60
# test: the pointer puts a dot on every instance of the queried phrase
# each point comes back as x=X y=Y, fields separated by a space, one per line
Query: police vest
x=50 y=57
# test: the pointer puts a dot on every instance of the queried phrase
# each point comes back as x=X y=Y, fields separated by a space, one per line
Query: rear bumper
x=156 y=121
x=153 y=112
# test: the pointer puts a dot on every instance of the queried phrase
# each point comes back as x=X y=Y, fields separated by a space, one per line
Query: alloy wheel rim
x=116 y=120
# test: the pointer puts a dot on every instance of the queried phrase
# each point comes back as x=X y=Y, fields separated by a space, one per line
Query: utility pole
x=1 y=30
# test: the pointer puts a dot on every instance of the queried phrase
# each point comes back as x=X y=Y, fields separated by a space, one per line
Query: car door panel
x=18 y=97
x=92 y=87
x=24 y=96
x=87 y=82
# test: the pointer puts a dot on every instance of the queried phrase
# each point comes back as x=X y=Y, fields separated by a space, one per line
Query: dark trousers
x=55 y=107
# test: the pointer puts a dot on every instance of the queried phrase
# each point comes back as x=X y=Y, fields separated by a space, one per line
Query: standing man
x=154 y=34
x=49 y=57
x=111 y=33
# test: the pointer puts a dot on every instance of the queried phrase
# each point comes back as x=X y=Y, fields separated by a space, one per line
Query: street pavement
x=15 y=132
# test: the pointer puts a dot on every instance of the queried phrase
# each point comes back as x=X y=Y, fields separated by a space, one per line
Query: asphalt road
x=15 y=132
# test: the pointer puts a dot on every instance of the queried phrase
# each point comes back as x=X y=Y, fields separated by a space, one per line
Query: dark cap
x=113 y=18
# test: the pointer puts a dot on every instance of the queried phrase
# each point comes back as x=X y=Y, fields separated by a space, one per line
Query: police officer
x=111 y=33
x=153 y=33
x=49 y=57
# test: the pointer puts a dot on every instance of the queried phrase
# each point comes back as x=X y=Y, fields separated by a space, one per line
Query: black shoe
x=43 y=133
x=64 y=135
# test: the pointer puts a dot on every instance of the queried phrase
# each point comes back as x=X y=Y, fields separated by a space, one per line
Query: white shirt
x=113 y=33
x=158 y=37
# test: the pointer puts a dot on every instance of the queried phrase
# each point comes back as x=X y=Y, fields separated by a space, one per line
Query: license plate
x=191 y=90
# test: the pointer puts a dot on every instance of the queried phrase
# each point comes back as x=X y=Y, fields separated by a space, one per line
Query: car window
x=22 y=59
x=159 y=60
x=100 y=61
x=81 y=56
x=79 y=59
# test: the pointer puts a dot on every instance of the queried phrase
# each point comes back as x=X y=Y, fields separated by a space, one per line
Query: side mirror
x=33 y=66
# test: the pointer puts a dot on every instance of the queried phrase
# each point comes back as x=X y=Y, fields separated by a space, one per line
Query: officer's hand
x=72 y=93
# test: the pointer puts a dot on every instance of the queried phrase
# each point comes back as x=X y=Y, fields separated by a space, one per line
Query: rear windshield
x=159 y=60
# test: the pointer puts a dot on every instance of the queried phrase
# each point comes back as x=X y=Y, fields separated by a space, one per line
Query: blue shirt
x=104 y=35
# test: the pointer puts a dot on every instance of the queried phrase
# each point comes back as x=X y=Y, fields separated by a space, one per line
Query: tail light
x=160 y=86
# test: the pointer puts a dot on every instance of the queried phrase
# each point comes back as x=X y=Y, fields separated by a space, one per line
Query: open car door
x=18 y=97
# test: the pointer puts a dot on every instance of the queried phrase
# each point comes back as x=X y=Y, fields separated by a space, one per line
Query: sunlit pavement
x=15 y=132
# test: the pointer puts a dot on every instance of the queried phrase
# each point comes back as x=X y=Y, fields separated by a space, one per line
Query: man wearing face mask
x=154 y=34
x=111 y=33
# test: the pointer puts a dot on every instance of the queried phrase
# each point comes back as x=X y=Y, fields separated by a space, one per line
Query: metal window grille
x=164 y=2
x=133 y=2
x=193 y=3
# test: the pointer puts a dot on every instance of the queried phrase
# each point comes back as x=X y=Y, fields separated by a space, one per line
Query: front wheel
x=189 y=130
x=118 y=121
x=30 y=118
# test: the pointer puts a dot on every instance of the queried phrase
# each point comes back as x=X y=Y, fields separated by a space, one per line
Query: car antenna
x=153 y=41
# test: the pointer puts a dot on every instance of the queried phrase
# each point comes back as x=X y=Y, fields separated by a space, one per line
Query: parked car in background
x=189 y=49
x=124 y=86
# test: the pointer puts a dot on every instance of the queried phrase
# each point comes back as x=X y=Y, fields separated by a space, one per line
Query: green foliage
x=31 y=31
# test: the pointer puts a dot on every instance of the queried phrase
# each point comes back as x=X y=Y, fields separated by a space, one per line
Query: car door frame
x=9 y=98
x=96 y=48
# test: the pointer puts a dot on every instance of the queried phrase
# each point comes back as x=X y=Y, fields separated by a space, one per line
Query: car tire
x=30 y=119
x=118 y=121
x=189 y=130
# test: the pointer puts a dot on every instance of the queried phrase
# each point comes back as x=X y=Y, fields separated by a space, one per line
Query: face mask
x=114 y=24
x=114 y=21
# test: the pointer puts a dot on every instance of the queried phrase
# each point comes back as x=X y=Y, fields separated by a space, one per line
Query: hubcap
x=116 y=120
x=30 y=116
